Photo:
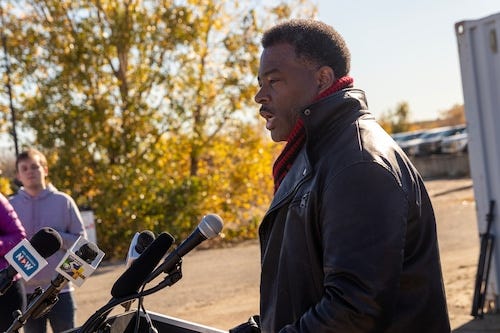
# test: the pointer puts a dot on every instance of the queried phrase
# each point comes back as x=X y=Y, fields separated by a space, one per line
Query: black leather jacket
x=349 y=242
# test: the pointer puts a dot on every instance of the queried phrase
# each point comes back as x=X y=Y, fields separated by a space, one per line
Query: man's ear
x=325 y=78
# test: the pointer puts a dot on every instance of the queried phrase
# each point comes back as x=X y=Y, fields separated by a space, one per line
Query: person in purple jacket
x=11 y=233
x=39 y=204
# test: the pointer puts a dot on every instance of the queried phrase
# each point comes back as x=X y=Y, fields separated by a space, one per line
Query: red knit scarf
x=297 y=136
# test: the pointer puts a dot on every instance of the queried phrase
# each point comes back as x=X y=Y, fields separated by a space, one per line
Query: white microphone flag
x=76 y=269
x=25 y=259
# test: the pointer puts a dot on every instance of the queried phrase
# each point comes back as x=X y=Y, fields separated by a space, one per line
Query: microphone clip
x=173 y=276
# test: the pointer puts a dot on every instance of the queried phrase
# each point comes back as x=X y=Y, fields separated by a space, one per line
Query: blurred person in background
x=39 y=204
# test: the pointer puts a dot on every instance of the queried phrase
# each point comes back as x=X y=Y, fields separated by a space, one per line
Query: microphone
x=130 y=281
x=44 y=243
x=144 y=239
x=209 y=227
x=44 y=301
x=138 y=244
x=87 y=252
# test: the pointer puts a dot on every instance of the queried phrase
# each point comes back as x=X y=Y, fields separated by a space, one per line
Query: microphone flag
x=25 y=259
x=74 y=266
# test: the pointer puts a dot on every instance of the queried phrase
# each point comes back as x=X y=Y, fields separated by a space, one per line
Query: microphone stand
x=94 y=323
x=42 y=303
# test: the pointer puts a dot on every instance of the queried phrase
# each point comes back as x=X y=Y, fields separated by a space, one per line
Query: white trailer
x=479 y=54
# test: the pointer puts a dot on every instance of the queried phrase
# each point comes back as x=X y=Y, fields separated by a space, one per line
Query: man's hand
x=251 y=326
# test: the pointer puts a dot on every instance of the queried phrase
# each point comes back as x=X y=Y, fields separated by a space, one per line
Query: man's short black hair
x=314 y=41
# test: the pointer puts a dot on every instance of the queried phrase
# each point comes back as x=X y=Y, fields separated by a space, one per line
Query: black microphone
x=45 y=242
x=144 y=239
x=88 y=252
x=130 y=281
x=209 y=227
x=139 y=243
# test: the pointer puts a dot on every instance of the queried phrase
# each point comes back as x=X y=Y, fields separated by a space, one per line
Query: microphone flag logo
x=25 y=259
x=75 y=268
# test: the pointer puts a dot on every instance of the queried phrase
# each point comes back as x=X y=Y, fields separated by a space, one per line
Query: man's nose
x=261 y=97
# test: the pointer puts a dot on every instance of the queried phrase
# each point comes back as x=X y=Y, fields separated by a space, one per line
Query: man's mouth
x=269 y=117
x=270 y=123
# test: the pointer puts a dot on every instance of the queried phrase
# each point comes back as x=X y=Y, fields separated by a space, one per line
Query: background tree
x=453 y=116
x=145 y=108
x=4 y=185
x=7 y=174
x=398 y=120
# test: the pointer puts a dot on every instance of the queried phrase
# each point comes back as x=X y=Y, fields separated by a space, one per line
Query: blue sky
x=405 y=50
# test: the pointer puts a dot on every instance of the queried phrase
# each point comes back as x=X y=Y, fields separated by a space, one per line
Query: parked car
x=405 y=136
x=430 y=142
x=455 y=143
x=404 y=139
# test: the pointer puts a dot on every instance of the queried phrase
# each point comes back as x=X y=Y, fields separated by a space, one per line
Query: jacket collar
x=326 y=116
x=333 y=112
x=301 y=169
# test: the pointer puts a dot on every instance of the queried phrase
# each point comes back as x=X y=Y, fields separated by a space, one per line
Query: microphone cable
x=140 y=306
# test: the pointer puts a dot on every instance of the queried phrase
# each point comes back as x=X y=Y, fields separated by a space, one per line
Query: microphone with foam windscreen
x=144 y=239
x=130 y=281
x=44 y=243
x=87 y=252
x=139 y=243
x=209 y=227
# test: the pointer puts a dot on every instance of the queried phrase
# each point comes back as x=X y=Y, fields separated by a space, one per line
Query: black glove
x=251 y=326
